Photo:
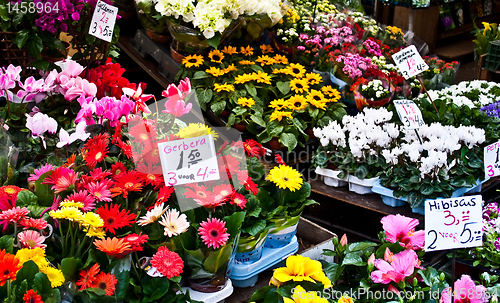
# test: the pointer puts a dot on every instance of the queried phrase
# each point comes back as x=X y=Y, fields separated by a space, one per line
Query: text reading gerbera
x=183 y=146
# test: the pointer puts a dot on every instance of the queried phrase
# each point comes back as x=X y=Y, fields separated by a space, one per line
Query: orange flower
x=111 y=246
x=70 y=161
x=106 y=282
x=87 y=277
x=9 y=266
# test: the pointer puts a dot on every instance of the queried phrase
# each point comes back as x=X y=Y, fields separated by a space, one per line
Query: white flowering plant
x=375 y=90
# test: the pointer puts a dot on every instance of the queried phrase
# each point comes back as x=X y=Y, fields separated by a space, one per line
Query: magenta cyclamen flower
x=112 y=109
x=175 y=94
x=8 y=78
x=497 y=243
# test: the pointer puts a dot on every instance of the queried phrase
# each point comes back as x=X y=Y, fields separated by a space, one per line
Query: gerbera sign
x=189 y=160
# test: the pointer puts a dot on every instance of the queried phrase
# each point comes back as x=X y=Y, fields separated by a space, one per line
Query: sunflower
x=278 y=115
x=331 y=92
x=297 y=102
x=285 y=177
x=299 y=85
x=223 y=87
x=196 y=130
x=280 y=59
x=262 y=77
x=230 y=68
x=215 y=71
x=296 y=70
x=281 y=71
x=216 y=56
x=278 y=104
x=248 y=102
x=265 y=60
x=247 y=51
x=265 y=48
x=229 y=50
x=192 y=60
x=241 y=79
x=246 y=62
x=313 y=78
x=317 y=98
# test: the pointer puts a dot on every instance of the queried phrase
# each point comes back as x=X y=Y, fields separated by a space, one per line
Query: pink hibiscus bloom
x=398 y=270
x=402 y=229
x=466 y=291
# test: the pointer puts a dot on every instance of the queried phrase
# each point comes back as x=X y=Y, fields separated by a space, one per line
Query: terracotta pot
x=224 y=113
x=126 y=15
x=309 y=131
x=240 y=127
x=211 y=286
x=176 y=56
x=163 y=39
x=276 y=145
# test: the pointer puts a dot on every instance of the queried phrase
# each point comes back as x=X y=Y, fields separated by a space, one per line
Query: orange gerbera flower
x=9 y=266
x=106 y=282
x=70 y=161
x=111 y=246
x=87 y=277
x=125 y=183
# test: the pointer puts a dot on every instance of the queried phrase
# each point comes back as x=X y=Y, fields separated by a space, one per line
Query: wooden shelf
x=468 y=27
x=455 y=50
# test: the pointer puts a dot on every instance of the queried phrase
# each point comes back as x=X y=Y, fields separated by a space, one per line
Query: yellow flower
x=265 y=60
x=246 y=62
x=313 y=78
x=192 y=60
x=36 y=255
x=278 y=115
x=299 y=268
x=345 y=299
x=93 y=220
x=215 y=71
x=229 y=50
x=95 y=232
x=278 y=104
x=300 y=295
x=216 y=56
x=248 y=51
x=223 y=87
x=72 y=214
x=331 y=92
x=486 y=27
x=317 y=98
x=296 y=70
x=248 y=102
x=67 y=203
x=55 y=276
x=230 y=68
x=299 y=85
x=281 y=71
x=244 y=78
x=297 y=102
x=196 y=130
x=262 y=77
x=280 y=59
x=266 y=49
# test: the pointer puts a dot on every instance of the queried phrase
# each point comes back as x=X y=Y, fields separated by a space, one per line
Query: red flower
x=126 y=183
x=223 y=191
x=31 y=296
x=100 y=190
x=62 y=179
x=135 y=241
x=10 y=191
x=96 y=149
x=108 y=79
x=88 y=277
x=114 y=218
x=106 y=282
x=9 y=266
x=167 y=262
x=279 y=160
x=213 y=233
x=244 y=179
x=196 y=191
x=253 y=148
x=150 y=174
x=164 y=194
x=239 y=200
x=84 y=198
x=143 y=131
x=117 y=169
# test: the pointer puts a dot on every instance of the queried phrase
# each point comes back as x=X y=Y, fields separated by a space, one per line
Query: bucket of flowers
x=372 y=92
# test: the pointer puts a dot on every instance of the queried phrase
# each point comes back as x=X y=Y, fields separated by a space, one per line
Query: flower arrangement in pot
x=156 y=26
x=372 y=92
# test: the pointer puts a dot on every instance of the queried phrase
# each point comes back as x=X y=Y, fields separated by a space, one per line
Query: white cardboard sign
x=409 y=62
x=453 y=223
x=103 y=21
x=491 y=159
x=409 y=114
x=189 y=160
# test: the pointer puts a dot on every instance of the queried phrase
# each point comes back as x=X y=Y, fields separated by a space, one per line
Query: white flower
x=152 y=215
x=174 y=222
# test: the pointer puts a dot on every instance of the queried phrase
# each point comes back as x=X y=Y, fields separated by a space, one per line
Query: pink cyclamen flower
x=79 y=134
x=40 y=171
x=40 y=123
x=497 y=243
x=31 y=89
x=213 y=233
x=402 y=229
x=31 y=239
x=465 y=291
x=175 y=94
x=177 y=108
x=402 y=267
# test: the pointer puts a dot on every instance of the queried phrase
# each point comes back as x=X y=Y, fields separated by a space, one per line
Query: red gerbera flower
x=33 y=223
x=9 y=266
x=106 y=282
x=10 y=191
x=99 y=191
x=62 y=179
x=210 y=201
x=230 y=163
x=126 y=183
x=213 y=233
x=88 y=277
x=114 y=218
x=111 y=246
x=96 y=153
x=31 y=296
x=135 y=241
x=239 y=200
x=244 y=179
x=253 y=148
x=14 y=214
x=126 y=148
x=167 y=262
x=196 y=191
x=279 y=160
x=164 y=194
x=151 y=174
x=117 y=169
x=70 y=161
x=150 y=154
x=143 y=131
x=223 y=190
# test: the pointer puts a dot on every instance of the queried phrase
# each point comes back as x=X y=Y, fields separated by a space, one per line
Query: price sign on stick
x=492 y=159
x=189 y=160
x=103 y=21
x=453 y=223
x=409 y=62
x=409 y=114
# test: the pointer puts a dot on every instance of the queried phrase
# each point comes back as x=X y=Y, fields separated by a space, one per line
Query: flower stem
x=8 y=291
x=63 y=243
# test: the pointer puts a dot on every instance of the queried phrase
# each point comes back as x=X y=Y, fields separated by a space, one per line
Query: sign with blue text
x=453 y=223
x=409 y=113
x=409 y=62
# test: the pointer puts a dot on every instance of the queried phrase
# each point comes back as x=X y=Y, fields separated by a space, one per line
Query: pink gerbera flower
x=239 y=200
x=84 y=198
x=40 y=171
x=99 y=191
x=62 y=178
x=213 y=233
x=14 y=214
x=402 y=229
x=31 y=239
x=223 y=190
x=33 y=223
x=167 y=262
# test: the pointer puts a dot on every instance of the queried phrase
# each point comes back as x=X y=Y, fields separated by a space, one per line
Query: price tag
x=103 y=21
x=409 y=62
x=409 y=114
x=189 y=160
x=453 y=223
x=491 y=159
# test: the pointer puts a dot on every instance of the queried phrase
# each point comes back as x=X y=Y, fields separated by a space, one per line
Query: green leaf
x=283 y=87
x=251 y=89
x=25 y=198
x=333 y=271
x=43 y=192
x=41 y=64
x=353 y=259
x=21 y=38
x=426 y=189
x=154 y=288
x=7 y=243
x=215 y=40
x=42 y=284
x=70 y=266
x=218 y=107
x=28 y=272
x=255 y=228
x=361 y=246
x=35 y=46
x=361 y=172
x=276 y=131
x=258 y=120
x=200 y=75
x=217 y=259
x=289 y=140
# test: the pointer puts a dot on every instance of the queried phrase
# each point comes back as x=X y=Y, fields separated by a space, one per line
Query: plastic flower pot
x=249 y=249
x=361 y=186
x=282 y=234
x=330 y=177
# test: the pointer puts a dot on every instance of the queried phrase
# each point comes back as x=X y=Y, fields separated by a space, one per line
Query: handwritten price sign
x=409 y=114
x=453 y=223
x=103 y=21
x=491 y=159
x=189 y=160
x=409 y=62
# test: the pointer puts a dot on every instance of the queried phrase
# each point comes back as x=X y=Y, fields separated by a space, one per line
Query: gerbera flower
x=70 y=161
x=40 y=171
x=195 y=191
x=14 y=214
x=210 y=201
x=215 y=71
x=143 y=131
x=246 y=62
x=69 y=213
x=216 y=56
x=229 y=50
x=317 y=99
x=36 y=255
x=62 y=179
x=285 y=177
x=245 y=180
x=82 y=197
x=152 y=215
x=95 y=232
x=247 y=51
x=33 y=223
x=55 y=276
x=278 y=104
x=265 y=60
x=239 y=200
x=280 y=59
x=175 y=223
x=223 y=190
x=278 y=115
x=126 y=183
x=96 y=153
x=31 y=296
x=266 y=48
x=114 y=218
x=31 y=239
x=106 y=282
x=297 y=102
x=241 y=79
x=299 y=85
x=92 y=220
x=10 y=191
x=97 y=174
x=196 y=130
x=136 y=241
x=150 y=174
x=254 y=148
x=192 y=60
x=9 y=266
x=111 y=246
x=246 y=102
x=213 y=233
x=296 y=70
x=223 y=87
x=313 y=78
x=167 y=262
x=117 y=169
x=87 y=277
x=164 y=194
x=99 y=191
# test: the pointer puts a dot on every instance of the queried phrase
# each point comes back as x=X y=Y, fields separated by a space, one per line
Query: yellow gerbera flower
x=248 y=102
x=345 y=299
x=229 y=50
x=196 y=130
x=247 y=51
x=278 y=115
x=279 y=104
x=95 y=232
x=243 y=78
x=72 y=214
x=230 y=68
x=313 y=78
x=55 y=276
x=36 y=255
x=216 y=56
x=280 y=59
x=317 y=98
x=246 y=62
x=215 y=71
x=192 y=60
x=300 y=295
x=223 y=87
x=262 y=77
x=299 y=85
x=93 y=220
x=265 y=48
x=299 y=268
x=286 y=177
x=67 y=203
x=297 y=102
x=265 y=60
x=296 y=70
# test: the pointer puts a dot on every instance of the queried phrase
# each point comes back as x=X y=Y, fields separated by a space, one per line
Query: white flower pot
x=361 y=186
x=330 y=177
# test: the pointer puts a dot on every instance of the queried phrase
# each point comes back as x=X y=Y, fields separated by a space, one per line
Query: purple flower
x=31 y=89
x=492 y=110
x=112 y=109
x=497 y=243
